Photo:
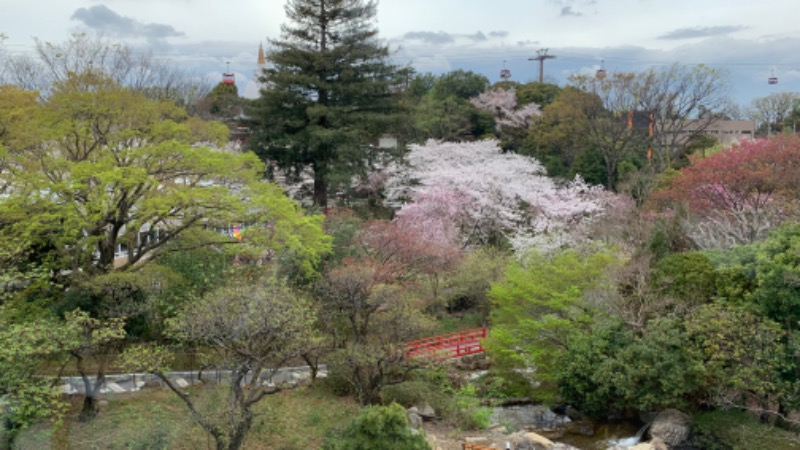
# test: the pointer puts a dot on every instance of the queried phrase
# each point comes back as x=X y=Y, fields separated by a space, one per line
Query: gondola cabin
x=228 y=78
x=772 y=80
x=505 y=74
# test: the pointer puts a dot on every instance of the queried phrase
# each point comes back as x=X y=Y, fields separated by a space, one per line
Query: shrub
x=377 y=427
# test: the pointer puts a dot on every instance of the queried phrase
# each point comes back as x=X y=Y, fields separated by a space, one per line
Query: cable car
x=505 y=74
x=601 y=72
x=772 y=78
x=228 y=77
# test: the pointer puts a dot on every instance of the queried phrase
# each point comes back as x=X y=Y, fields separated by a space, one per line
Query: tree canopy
x=100 y=172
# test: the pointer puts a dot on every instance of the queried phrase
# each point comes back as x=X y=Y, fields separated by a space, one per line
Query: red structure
x=447 y=346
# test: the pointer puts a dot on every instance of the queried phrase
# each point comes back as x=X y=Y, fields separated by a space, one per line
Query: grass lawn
x=157 y=419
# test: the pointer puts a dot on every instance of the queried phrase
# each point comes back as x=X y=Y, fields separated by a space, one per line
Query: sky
x=750 y=40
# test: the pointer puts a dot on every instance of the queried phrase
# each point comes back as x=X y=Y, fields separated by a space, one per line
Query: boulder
x=414 y=419
x=530 y=441
x=426 y=410
x=658 y=444
x=671 y=426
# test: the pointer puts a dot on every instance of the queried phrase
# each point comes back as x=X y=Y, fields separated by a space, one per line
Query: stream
x=616 y=435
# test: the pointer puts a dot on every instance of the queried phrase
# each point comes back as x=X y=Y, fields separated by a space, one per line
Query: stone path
x=132 y=382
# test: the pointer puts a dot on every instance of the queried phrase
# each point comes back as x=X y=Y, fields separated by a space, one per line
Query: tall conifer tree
x=327 y=93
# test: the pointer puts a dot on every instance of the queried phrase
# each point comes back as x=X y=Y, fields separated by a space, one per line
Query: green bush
x=505 y=384
x=377 y=427
x=467 y=410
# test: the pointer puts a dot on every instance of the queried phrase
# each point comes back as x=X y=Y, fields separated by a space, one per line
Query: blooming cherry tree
x=502 y=103
x=486 y=194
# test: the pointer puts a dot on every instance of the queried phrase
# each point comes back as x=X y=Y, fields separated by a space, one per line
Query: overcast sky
x=750 y=39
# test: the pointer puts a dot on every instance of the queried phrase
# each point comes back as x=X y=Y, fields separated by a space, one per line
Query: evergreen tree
x=328 y=92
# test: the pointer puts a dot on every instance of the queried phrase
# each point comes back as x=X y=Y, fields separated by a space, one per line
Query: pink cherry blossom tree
x=502 y=103
x=486 y=194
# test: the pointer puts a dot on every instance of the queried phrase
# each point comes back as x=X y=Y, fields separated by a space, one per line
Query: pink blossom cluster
x=479 y=192
x=502 y=103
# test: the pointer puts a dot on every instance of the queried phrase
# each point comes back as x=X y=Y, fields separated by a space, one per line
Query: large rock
x=528 y=416
x=414 y=419
x=530 y=441
x=671 y=426
x=426 y=411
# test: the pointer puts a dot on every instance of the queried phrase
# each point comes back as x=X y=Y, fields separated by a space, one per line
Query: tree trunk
x=90 y=408
x=239 y=433
x=313 y=365
x=320 y=191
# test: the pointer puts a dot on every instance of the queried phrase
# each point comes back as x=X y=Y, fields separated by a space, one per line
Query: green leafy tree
x=744 y=355
x=542 y=94
x=442 y=108
x=329 y=92
x=540 y=305
x=607 y=123
x=719 y=355
x=113 y=172
x=777 y=277
x=609 y=368
x=377 y=427
x=688 y=279
x=462 y=84
x=450 y=119
x=558 y=137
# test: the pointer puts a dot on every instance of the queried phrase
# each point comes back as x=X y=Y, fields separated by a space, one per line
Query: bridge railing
x=446 y=346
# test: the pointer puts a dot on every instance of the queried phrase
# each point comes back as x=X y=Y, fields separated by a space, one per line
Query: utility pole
x=541 y=55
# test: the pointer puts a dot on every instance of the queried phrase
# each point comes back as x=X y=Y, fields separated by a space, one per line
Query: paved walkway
x=132 y=382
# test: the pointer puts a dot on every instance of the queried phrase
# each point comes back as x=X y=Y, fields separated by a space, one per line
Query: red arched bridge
x=447 y=346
